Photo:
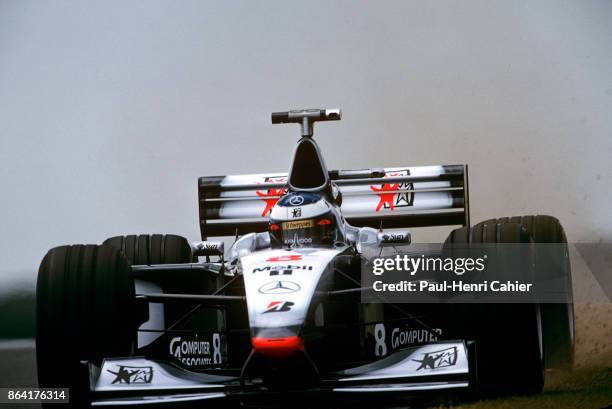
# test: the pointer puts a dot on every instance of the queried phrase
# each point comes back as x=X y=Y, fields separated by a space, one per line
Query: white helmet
x=303 y=219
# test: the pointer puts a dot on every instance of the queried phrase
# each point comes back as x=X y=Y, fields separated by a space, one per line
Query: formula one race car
x=155 y=319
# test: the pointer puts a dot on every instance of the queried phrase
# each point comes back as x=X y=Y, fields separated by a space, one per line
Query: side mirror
x=394 y=238
x=372 y=238
x=208 y=248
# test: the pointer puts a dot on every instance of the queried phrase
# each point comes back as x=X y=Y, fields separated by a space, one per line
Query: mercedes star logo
x=279 y=287
x=296 y=200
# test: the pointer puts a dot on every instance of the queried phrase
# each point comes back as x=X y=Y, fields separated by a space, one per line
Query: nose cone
x=281 y=361
x=281 y=347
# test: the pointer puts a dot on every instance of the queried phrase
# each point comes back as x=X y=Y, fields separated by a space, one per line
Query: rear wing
x=381 y=198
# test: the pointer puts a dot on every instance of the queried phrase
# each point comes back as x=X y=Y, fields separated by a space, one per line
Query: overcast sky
x=110 y=110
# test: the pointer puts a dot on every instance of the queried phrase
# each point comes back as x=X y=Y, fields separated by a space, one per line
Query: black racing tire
x=147 y=249
x=557 y=318
x=84 y=295
x=509 y=350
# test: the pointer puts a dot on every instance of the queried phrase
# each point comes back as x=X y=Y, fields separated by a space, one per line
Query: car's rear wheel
x=509 y=350
x=147 y=249
x=84 y=297
x=552 y=264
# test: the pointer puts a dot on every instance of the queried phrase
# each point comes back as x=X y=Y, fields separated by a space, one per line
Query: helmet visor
x=317 y=232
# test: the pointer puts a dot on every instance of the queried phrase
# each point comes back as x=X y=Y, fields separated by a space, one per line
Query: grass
x=583 y=388
x=17 y=312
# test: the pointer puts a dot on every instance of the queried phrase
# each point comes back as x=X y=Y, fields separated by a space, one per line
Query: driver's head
x=301 y=219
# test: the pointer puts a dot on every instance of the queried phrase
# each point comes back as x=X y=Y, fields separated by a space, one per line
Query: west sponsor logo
x=279 y=287
x=195 y=351
x=132 y=374
x=271 y=196
x=438 y=359
x=392 y=195
x=279 y=306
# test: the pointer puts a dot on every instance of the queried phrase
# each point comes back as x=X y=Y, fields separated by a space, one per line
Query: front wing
x=440 y=366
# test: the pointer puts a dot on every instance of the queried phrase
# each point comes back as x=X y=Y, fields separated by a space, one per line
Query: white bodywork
x=301 y=269
x=403 y=371
x=357 y=200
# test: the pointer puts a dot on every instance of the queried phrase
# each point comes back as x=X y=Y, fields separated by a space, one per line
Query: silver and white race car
x=155 y=319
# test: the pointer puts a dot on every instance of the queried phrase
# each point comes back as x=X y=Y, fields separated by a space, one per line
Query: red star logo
x=272 y=195
x=270 y=198
x=386 y=196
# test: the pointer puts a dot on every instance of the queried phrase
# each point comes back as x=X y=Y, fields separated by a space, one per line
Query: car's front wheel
x=509 y=347
x=85 y=300
x=553 y=263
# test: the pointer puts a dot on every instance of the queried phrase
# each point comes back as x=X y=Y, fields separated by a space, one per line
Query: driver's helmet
x=302 y=219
